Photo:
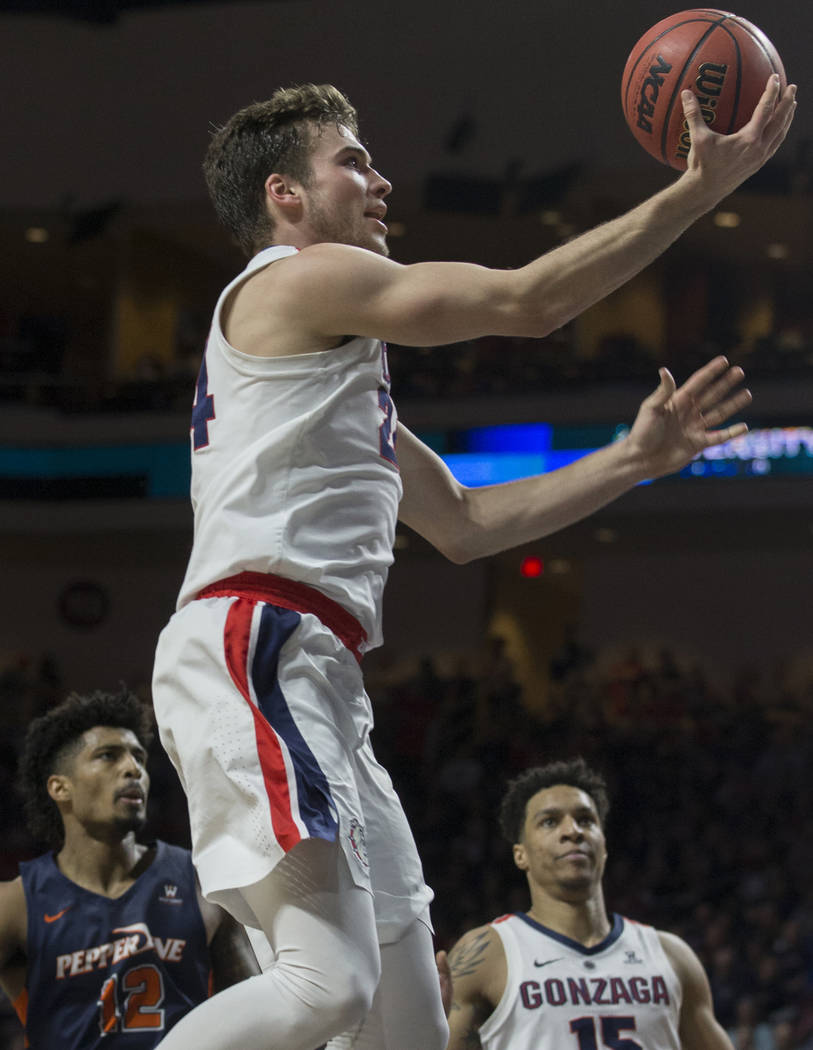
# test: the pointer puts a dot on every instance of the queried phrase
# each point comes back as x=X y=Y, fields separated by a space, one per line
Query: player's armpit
x=463 y=1031
x=465 y=1018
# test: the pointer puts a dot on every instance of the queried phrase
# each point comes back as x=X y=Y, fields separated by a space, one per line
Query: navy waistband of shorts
x=298 y=597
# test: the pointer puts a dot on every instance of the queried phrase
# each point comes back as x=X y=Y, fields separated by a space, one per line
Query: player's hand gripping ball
x=723 y=59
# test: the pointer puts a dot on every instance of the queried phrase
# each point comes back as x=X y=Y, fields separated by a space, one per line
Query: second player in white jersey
x=566 y=974
x=621 y=993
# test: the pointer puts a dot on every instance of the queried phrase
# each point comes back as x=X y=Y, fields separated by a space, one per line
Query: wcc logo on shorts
x=358 y=843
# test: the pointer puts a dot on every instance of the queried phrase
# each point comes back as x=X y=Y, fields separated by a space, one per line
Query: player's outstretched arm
x=328 y=291
x=478 y=974
x=672 y=426
x=699 y=1028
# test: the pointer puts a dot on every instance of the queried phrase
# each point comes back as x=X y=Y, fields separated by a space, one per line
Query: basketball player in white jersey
x=566 y=975
x=300 y=471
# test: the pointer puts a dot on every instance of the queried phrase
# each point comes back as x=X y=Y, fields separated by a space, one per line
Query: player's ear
x=520 y=856
x=282 y=191
x=58 y=787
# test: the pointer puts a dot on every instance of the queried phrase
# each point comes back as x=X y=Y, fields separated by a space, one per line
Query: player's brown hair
x=53 y=739
x=573 y=772
x=265 y=137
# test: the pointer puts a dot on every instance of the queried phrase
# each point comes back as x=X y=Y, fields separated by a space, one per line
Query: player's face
x=563 y=848
x=108 y=783
x=344 y=201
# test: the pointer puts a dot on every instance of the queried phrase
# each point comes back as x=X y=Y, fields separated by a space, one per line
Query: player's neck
x=585 y=921
x=296 y=235
x=106 y=868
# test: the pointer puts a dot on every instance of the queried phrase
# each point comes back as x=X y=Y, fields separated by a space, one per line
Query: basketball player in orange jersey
x=566 y=975
x=105 y=941
x=299 y=473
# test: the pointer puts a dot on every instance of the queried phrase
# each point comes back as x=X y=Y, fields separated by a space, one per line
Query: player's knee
x=430 y=1031
x=342 y=986
x=339 y=992
x=352 y=998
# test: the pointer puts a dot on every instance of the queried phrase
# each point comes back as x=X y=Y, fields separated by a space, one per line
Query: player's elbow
x=443 y=512
x=455 y=546
x=465 y=545
x=531 y=306
x=458 y=554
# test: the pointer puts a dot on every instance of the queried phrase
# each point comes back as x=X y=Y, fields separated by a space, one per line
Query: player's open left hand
x=675 y=423
x=727 y=160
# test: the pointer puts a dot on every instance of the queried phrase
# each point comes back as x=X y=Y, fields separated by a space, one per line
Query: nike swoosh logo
x=59 y=914
x=547 y=962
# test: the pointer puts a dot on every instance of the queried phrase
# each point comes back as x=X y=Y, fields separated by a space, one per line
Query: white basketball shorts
x=263 y=712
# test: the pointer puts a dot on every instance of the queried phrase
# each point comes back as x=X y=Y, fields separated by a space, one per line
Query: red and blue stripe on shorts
x=298 y=791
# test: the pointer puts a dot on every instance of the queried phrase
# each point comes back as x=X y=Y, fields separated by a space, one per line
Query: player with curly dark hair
x=573 y=771
x=54 y=740
x=104 y=940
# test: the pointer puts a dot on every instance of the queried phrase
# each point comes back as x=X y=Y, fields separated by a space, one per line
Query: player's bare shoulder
x=684 y=962
x=301 y=303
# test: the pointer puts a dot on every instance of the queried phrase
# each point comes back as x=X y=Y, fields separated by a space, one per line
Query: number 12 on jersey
x=142 y=990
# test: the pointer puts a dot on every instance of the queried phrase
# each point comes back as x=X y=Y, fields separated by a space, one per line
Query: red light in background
x=532 y=567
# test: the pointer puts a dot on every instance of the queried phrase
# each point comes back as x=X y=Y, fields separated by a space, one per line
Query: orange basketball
x=723 y=59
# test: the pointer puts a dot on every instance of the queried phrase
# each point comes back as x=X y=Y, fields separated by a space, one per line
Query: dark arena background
x=667 y=638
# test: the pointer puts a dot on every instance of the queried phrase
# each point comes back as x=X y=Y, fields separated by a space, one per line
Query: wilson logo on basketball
x=708 y=87
x=650 y=89
x=723 y=60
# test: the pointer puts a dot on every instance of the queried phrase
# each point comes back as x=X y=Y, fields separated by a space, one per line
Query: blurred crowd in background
x=33 y=369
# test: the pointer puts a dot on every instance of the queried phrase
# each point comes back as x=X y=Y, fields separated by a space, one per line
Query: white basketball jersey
x=621 y=994
x=294 y=469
